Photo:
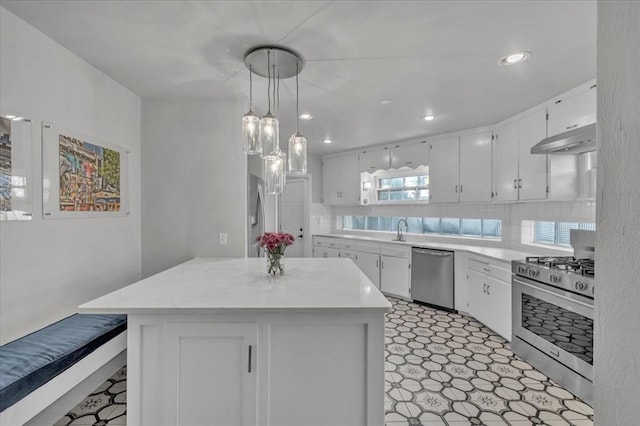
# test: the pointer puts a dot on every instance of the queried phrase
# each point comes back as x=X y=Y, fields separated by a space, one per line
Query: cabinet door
x=374 y=159
x=532 y=179
x=477 y=295
x=410 y=155
x=318 y=251
x=444 y=163
x=505 y=163
x=370 y=264
x=499 y=312
x=331 y=180
x=213 y=370
x=475 y=167
x=331 y=252
x=570 y=113
x=394 y=276
x=349 y=180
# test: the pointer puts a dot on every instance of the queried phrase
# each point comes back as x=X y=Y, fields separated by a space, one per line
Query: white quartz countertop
x=494 y=252
x=210 y=285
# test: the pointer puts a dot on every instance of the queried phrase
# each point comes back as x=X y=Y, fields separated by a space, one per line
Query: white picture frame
x=16 y=166
x=82 y=176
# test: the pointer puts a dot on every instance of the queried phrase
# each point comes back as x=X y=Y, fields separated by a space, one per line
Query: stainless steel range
x=553 y=314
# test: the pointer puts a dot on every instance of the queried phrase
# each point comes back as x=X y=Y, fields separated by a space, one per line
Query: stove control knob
x=580 y=285
x=522 y=269
x=554 y=278
x=532 y=272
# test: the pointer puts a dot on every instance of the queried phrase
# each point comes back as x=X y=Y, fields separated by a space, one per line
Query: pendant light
x=250 y=124
x=297 y=142
x=274 y=173
x=269 y=125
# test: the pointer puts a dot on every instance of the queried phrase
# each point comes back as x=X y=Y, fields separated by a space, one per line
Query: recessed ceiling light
x=305 y=116
x=10 y=117
x=327 y=140
x=429 y=117
x=514 y=58
x=385 y=101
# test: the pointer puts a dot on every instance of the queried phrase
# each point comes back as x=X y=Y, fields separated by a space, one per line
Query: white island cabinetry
x=217 y=342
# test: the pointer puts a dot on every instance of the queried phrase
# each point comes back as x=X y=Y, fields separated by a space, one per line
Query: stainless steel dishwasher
x=432 y=277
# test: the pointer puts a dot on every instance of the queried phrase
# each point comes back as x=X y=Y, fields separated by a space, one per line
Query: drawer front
x=368 y=248
x=347 y=245
x=492 y=267
x=395 y=251
x=325 y=242
x=351 y=254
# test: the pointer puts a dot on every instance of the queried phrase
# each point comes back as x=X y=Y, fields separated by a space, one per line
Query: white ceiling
x=426 y=56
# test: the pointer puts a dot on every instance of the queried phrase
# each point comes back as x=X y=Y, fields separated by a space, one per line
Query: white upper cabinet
x=572 y=112
x=444 y=162
x=341 y=180
x=374 y=159
x=475 y=167
x=532 y=178
x=518 y=174
x=505 y=163
x=413 y=156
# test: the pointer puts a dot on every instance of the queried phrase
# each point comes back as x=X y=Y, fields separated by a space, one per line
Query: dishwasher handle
x=433 y=252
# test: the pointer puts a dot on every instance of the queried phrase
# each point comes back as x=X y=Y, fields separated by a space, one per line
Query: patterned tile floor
x=448 y=369
x=441 y=369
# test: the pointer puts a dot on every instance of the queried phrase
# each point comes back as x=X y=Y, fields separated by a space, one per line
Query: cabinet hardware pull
x=456 y=189
x=484 y=288
x=515 y=184
x=520 y=183
x=572 y=127
x=488 y=288
x=554 y=353
x=461 y=189
x=377 y=261
x=486 y=269
x=249 y=361
x=382 y=264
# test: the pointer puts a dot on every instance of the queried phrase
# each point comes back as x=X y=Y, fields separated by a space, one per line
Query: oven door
x=556 y=322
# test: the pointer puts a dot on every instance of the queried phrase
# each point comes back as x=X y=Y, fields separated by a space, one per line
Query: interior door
x=292 y=215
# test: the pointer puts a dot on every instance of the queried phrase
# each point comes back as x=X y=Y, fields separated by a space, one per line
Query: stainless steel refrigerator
x=255 y=213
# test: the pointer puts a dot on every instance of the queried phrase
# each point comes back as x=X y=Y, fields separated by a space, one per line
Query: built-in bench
x=52 y=369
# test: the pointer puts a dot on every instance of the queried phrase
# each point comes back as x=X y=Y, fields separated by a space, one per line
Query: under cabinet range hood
x=575 y=141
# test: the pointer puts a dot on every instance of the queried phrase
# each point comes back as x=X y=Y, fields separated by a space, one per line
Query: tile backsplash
x=511 y=215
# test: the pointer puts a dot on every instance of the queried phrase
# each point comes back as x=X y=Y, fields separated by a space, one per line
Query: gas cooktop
x=565 y=272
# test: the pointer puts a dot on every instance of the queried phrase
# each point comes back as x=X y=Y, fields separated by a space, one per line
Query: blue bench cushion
x=31 y=361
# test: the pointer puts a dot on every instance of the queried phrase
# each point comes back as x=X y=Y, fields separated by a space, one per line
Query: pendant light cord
x=276 y=93
x=269 y=80
x=250 y=89
x=297 y=99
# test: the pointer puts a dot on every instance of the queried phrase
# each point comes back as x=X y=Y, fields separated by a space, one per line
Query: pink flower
x=275 y=242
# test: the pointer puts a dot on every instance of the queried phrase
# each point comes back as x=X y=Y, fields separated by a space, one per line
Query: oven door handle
x=552 y=293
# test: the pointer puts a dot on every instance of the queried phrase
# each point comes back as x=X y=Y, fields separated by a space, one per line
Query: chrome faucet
x=406 y=227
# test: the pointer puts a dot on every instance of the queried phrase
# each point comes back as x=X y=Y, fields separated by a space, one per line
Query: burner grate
x=565 y=263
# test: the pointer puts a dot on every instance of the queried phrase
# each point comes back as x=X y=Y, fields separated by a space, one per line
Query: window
x=474 y=228
x=405 y=188
x=557 y=233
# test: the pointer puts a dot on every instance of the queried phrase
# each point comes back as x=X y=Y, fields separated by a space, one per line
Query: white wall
x=193 y=181
x=49 y=267
x=617 y=301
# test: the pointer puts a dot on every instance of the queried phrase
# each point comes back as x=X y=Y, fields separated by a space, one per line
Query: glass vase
x=275 y=264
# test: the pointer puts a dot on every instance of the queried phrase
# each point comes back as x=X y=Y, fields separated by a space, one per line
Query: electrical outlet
x=223 y=238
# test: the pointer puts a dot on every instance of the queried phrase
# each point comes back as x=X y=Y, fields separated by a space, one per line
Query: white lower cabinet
x=369 y=263
x=201 y=357
x=394 y=276
x=256 y=369
x=490 y=302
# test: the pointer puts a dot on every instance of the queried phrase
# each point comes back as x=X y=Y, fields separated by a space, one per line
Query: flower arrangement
x=274 y=244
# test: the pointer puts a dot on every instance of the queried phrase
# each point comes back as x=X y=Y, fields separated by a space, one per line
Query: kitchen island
x=218 y=342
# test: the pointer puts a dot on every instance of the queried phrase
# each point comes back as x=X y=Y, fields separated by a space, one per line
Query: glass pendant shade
x=269 y=137
x=274 y=173
x=250 y=126
x=297 y=154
